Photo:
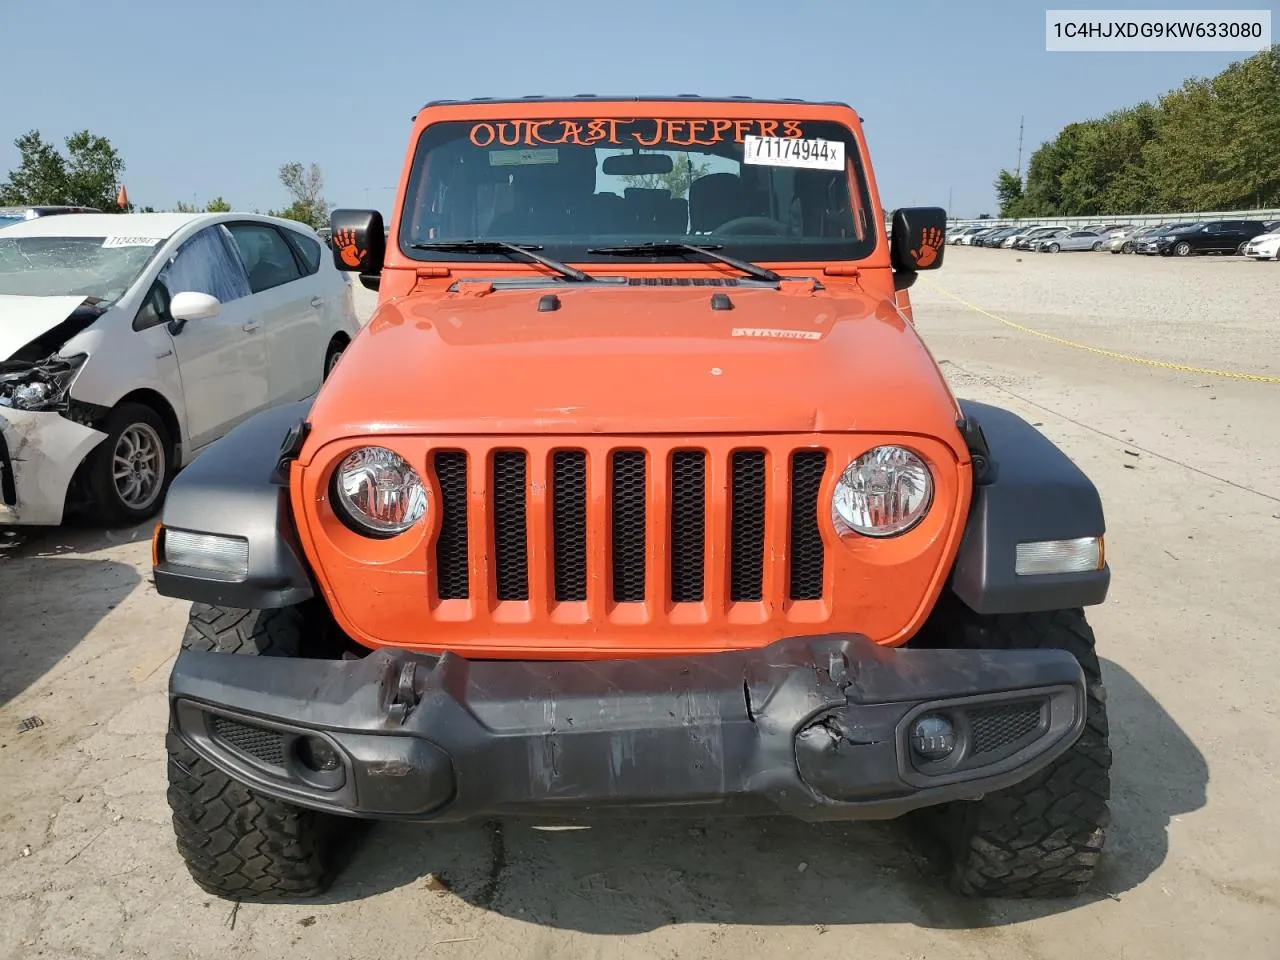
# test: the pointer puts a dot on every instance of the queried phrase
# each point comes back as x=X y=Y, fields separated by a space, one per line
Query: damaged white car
x=129 y=342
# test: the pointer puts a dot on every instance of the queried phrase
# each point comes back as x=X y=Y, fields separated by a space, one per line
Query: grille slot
x=746 y=528
x=995 y=728
x=805 y=549
x=264 y=745
x=510 y=527
x=569 y=524
x=453 y=580
x=628 y=525
x=688 y=525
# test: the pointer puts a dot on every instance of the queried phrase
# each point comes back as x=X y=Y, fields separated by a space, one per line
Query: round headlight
x=885 y=492
x=379 y=492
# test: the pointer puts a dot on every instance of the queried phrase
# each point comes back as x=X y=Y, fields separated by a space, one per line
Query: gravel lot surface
x=1189 y=468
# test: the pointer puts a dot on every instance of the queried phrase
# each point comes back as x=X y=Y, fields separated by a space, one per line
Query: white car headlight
x=885 y=492
x=378 y=493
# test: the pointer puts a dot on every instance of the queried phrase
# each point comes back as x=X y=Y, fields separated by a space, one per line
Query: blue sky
x=210 y=98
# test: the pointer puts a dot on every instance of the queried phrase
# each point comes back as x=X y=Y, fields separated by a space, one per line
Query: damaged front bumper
x=813 y=727
x=39 y=454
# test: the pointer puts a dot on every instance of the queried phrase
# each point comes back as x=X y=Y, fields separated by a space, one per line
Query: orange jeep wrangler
x=638 y=494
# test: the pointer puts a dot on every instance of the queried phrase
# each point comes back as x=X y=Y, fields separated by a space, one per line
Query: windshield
x=101 y=267
x=9 y=219
x=769 y=189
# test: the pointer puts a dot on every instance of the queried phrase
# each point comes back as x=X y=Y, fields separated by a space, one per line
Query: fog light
x=933 y=738
x=316 y=754
x=205 y=551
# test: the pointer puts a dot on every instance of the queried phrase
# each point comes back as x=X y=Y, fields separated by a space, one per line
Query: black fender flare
x=234 y=488
x=1029 y=491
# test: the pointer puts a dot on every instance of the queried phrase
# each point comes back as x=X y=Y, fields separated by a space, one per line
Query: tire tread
x=237 y=843
x=1044 y=836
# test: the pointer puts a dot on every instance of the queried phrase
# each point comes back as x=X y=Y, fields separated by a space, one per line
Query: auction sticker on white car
x=786 y=152
x=131 y=241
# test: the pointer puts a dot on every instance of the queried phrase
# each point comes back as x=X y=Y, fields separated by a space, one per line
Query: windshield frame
x=754 y=248
x=144 y=264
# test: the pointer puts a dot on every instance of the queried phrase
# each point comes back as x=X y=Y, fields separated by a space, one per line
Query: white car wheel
x=132 y=467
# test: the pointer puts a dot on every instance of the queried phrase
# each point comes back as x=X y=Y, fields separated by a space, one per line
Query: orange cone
x=122 y=197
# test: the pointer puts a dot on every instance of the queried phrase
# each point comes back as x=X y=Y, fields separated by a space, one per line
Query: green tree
x=86 y=176
x=1008 y=191
x=217 y=205
x=306 y=186
x=1211 y=144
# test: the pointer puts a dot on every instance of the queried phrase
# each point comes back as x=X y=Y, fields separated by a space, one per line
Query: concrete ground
x=1189 y=468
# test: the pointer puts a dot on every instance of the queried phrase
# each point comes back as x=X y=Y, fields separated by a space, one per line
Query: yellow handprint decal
x=930 y=243
x=345 y=240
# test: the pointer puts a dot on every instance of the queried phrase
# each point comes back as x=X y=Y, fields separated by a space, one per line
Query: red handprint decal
x=930 y=243
x=345 y=240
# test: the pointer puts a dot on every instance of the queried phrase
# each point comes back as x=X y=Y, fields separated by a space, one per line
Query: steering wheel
x=753 y=225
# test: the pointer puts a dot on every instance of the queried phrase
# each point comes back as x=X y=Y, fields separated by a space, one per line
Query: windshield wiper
x=668 y=247
x=501 y=246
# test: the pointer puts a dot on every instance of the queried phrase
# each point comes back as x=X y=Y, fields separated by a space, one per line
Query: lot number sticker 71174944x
x=785 y=152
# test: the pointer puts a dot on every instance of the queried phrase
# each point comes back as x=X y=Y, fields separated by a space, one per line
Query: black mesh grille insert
x=746 y=527
x=510 y=549
x=996 y=727
x=569 y=524
x=806 y=551
x=452 y=579
x=266 y=745
x=627 y=521
x=688 y=524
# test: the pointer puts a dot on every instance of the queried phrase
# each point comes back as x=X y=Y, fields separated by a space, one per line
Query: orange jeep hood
x=639 y=359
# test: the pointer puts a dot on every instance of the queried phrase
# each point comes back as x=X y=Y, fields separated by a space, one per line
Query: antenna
x=1018 y=173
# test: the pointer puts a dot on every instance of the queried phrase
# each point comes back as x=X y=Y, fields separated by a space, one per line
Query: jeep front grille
x=659 y=524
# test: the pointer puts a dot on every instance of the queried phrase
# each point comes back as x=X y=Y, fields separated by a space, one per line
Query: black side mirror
x=916 y=241
x=358 y=240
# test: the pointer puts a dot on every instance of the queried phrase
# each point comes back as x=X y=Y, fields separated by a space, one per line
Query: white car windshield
x=70 y=266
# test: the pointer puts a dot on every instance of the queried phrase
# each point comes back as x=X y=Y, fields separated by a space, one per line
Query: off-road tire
x=237 y=844
x=1042 y=837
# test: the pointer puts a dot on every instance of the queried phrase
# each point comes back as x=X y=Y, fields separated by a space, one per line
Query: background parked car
x=1024 y=230
x=1033 y=236
x=1072 y=240
x=965 y=237
x=1147 y=244
x=1214 y=236
x=994 y=238
x=130 y=342
x=1124 y=241
x=1266 y=246
x=12 y=215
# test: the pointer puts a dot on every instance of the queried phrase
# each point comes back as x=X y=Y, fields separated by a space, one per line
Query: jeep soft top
x=638 y=492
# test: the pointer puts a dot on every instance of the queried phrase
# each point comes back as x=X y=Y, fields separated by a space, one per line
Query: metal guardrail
x=1142 y=219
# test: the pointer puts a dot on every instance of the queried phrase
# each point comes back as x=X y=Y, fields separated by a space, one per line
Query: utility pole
x=950 y=190
x=1018 y=174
